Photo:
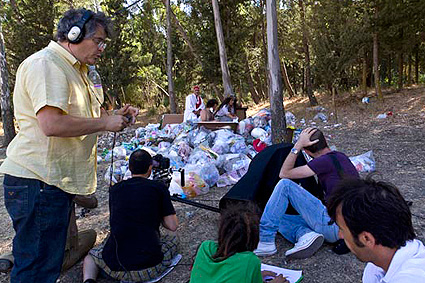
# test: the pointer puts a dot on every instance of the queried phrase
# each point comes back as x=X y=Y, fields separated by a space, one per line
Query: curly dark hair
x=239 y=230
x=73 y=16
x=373 y=206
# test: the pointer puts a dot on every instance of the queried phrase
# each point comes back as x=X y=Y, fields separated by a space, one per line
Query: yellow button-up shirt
x=53 y=77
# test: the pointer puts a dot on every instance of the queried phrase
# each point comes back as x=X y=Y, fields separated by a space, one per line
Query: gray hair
x=73 y=16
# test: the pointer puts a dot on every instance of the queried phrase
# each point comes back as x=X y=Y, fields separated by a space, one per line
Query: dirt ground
x=397 y=143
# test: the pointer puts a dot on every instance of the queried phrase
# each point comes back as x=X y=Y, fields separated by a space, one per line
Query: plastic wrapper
x=260 y=122
x=265 y=113
x=184 y=151
x=175 y=188
x=290 y=118
x=208 y=172
x=230 y=178
x=200 y=157
x=120 y=152
x=245 y=126
x=120 y=167
x=238 y=145
x=258 y=133
x=232 y=162
x=221 y=147
x=201 y=137
x=194 y=185
x=140 y=132
x=321 y=116
x=364 y=163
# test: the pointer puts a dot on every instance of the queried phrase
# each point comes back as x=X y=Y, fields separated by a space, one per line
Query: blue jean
x=313 y=215
x=40 y=215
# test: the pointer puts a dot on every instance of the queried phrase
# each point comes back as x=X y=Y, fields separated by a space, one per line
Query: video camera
x=161 y=169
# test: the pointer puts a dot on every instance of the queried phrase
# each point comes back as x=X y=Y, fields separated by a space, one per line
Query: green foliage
x=133 y=66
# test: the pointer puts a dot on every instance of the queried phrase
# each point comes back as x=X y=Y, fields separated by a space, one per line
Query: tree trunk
x=183 y=33
x=309 y=87
x=334 y=103
x=252 y=90
x=364 y=74
x=260 y=86
x=172 y=95
x=227 y=85
x=390 y=69
x=417 y=65
x=286 y=80
x=378 y=91
x=263 y=40
x=275 y=77
x=6 y=107
x=400 y=71
x=409 y=70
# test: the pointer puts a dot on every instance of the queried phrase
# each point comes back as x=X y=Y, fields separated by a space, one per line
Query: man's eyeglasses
x=100 y=42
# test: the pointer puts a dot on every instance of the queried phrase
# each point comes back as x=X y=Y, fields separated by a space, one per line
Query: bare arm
x=54 y=122
x=287 y=170
x=170 y=222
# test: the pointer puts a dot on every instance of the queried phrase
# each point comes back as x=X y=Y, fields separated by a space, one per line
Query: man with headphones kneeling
x=53 y=157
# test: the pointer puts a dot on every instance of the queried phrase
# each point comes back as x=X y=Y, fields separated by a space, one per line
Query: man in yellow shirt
x=53 y=157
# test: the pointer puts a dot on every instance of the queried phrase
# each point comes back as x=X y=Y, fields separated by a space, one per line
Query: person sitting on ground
x=227 y=109
x=376 y=224
x=310 y=228
x=134 y=250
x=193 y=106
x=207 y=114
x=231 y=258
x=78 y=243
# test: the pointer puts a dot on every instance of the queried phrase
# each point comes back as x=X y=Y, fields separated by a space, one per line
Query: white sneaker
x=306 y=246
x=265 y=249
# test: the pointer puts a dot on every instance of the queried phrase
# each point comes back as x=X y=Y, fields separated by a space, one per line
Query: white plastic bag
x=365 y=162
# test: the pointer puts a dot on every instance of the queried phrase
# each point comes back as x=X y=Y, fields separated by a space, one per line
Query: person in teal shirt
x=231 y=259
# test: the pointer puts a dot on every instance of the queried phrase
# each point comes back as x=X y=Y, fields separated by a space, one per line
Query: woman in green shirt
x=232 y=258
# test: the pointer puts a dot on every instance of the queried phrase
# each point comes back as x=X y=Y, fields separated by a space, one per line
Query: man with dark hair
x=134 y=250
x=53 y=157
x=207 y=114
x=376 y=224
x=310 y=228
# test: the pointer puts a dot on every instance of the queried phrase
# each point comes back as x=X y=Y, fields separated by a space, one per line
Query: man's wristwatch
x=295 y=151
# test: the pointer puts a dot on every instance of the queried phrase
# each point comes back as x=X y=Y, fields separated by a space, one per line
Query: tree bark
x=364 y=74
x=6 y=107
x=378 y=91
x=390 y=69
x=252 y=90
x=260 y=86
x=409 y=70
x=275 y=77
x=309 y=87
x=286 y=80
x=225 y=73
x=417 y=64
x=172 y=95
x=400 y=71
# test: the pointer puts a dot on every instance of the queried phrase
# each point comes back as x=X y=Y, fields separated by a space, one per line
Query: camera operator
x=135 y=251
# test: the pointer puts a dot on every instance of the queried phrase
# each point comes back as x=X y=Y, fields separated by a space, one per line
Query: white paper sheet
x=292 y=276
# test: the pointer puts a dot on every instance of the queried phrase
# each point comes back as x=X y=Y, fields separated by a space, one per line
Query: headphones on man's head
x=76 y=32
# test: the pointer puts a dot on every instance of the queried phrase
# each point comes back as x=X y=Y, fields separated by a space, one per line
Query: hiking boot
x=265 y=249
x=306 y=246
